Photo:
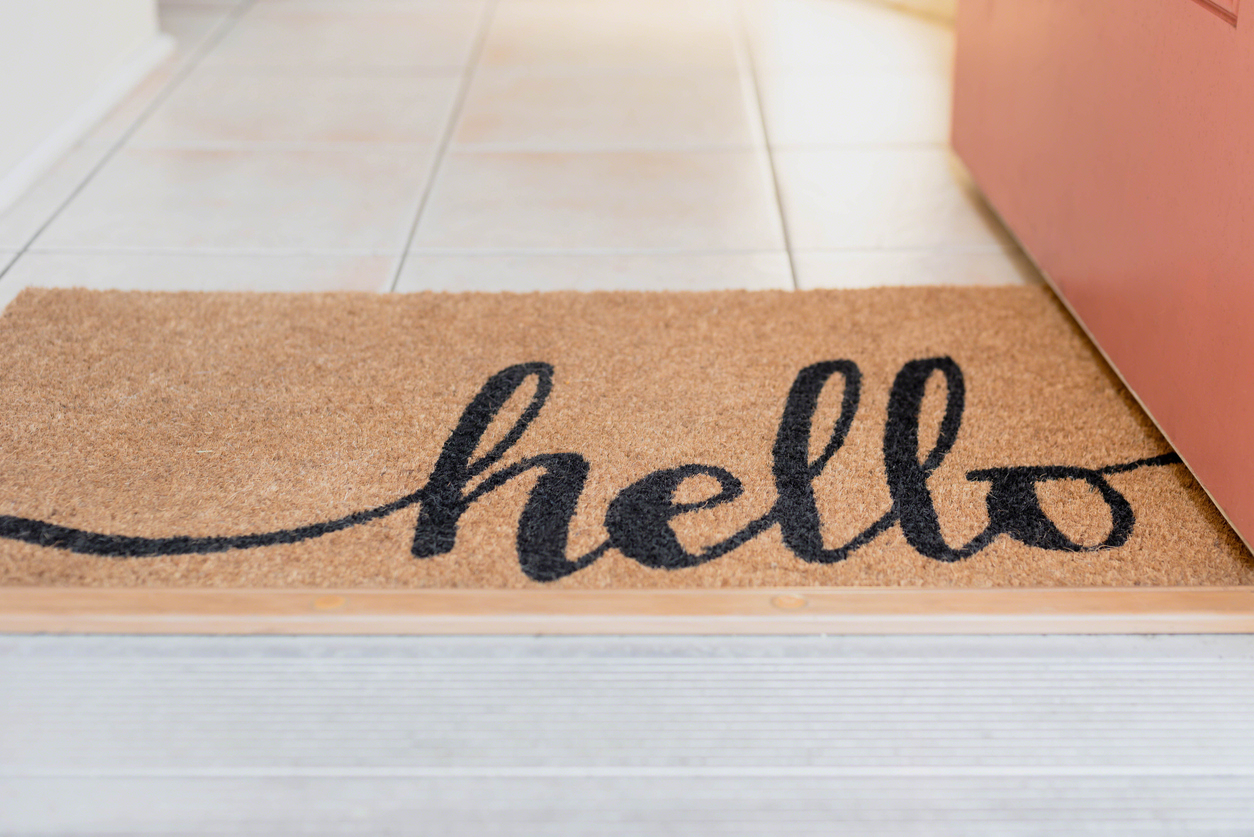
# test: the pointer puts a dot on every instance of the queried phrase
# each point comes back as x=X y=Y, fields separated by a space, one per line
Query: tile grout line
x=746 y=51
x=211 y=41
x=455 y=112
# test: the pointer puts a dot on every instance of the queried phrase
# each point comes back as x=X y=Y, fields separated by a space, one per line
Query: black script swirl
x=543 y=525
x=638 y=520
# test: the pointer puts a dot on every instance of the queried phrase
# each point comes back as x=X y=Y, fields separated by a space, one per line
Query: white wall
x=60 y=61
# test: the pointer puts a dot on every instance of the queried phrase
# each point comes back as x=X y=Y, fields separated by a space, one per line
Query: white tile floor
x=450 y=145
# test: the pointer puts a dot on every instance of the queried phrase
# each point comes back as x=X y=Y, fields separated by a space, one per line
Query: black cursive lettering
x=907 y=476
x=638 y=520
x=544 y=525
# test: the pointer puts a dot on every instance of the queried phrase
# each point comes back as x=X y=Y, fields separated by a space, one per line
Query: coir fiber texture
x=919 y=437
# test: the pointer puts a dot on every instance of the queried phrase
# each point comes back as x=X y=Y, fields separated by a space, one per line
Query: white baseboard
x=107 y=96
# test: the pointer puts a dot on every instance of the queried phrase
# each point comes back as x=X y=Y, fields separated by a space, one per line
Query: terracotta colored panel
x=1224 y=8
x=1113 y=136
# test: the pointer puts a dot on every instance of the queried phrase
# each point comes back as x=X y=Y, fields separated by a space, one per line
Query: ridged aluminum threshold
x=616 y=735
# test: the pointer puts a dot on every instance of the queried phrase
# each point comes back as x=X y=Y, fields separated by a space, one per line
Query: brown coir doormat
x=922 y=437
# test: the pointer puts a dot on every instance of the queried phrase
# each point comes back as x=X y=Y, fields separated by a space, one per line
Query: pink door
x=1116 y=139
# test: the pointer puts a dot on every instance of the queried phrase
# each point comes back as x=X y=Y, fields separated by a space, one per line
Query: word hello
x=638 y=520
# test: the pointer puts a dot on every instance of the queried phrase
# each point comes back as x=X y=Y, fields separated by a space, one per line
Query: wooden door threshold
x=755 y=611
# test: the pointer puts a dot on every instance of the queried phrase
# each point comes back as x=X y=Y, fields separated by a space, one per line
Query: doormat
x=903 y=437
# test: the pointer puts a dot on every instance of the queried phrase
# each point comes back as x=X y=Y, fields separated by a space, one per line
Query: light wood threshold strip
x=757 y=611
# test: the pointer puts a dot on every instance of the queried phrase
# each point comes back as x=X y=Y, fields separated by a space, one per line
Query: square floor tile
x=163 y=5
x=561 y=109
x=350 y=36
x=600 y=272
x=942 y=10
x=866 y=107
x=246 y=106
x=131 y=109
x=307 y=200
x=24 y=217
x=197 y=272
x=710 y=200
x=874 y=268
x=189 y=26
x=870 y=198
x=645 y=34
x=275 y=5
x=859 y=35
